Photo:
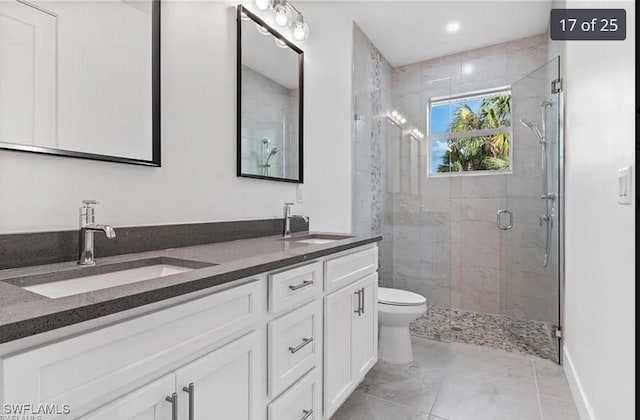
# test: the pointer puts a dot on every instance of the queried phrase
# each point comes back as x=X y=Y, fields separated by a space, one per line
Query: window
x=470 y=133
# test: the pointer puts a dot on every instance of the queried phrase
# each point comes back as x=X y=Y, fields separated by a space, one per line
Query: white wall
x=600 y=280
x=197 y=181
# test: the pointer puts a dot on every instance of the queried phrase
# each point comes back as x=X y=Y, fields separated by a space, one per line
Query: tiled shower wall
x=371 y=101
x=445 y=242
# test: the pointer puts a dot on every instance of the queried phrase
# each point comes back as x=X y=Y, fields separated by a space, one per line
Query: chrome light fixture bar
x=286 y=15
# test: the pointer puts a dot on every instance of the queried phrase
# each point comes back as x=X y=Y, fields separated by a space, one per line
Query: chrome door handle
x=191 y=391
x=307 y=414
x=173 y=399
x=359 y=310
x=297 y=348
x=301 y=285
x=499 y=221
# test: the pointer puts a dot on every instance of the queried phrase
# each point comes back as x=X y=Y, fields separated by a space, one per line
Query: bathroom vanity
x=277 y=329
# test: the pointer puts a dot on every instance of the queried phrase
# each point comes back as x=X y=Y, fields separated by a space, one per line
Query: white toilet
x=396 y=309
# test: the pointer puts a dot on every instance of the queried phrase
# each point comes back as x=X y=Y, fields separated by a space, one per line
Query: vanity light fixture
x=397 y=118
x=286 y=15
x=416 y=134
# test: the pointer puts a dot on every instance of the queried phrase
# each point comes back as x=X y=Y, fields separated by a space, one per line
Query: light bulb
x=263 y=4
x=394 y=113
x=453 y=27
x=403 y=120
x=283 y=16
x=301 y=31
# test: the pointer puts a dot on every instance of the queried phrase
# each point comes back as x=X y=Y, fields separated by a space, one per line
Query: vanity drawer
x=88 y=370
x=295 y=346
x=302 y=401
x=344 y=270
x=291 y=287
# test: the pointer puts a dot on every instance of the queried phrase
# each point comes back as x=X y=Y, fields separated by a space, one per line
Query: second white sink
x=316 y=241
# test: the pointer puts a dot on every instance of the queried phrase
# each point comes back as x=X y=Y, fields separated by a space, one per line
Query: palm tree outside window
x=470 y=133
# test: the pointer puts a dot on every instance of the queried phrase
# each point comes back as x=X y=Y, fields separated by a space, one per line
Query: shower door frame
x=561 y=206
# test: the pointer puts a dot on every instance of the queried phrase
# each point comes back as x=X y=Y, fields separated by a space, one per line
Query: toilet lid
x=399 y=297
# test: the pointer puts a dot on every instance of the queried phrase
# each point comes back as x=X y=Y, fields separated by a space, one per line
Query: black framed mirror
x=270 y=76
x=81 y=79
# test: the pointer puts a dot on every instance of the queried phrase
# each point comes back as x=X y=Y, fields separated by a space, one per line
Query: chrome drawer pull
x=173 y=399
x=301 y=285
x=362 y=296
x=307 y=414
x=191 y=391
x=359 y=310
x=305 y=341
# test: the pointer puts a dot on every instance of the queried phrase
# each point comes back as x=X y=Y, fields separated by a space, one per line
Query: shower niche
x=269 y=101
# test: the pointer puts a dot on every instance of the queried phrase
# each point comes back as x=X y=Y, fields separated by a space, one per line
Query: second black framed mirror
x=270 y=72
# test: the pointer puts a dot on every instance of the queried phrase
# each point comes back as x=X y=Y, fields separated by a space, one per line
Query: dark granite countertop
x=24 y=313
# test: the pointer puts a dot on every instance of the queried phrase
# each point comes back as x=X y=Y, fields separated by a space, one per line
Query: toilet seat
x=396 y=297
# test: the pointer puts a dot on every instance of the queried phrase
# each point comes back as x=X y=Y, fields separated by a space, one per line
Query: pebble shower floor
x=491 y=330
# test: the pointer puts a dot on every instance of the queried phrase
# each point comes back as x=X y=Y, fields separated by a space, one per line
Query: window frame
x=430 y=138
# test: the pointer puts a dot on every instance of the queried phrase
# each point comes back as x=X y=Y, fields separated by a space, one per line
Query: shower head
x=272 y=152
x=533 y=128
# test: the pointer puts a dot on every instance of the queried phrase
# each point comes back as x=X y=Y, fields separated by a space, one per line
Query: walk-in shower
x=485 y=284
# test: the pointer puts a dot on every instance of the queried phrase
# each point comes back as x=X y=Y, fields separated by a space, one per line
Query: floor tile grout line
x=394 y=403
x=535 y=379
x=435 y=399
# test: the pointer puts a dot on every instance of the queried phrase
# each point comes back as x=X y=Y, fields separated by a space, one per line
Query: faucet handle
x=88 y=203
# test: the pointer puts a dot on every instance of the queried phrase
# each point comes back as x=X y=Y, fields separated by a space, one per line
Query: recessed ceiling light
x=453 y=27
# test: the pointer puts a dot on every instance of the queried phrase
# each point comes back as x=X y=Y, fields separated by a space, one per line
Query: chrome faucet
x=286 y=232
x=88 y=227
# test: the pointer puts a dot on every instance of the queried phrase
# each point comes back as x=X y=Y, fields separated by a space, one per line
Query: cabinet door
x=339 y=309
x=225 y=382
x=365 y=328
x=147 y=403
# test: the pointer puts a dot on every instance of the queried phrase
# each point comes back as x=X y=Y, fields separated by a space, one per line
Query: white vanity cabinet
x=146 y=403
x=103 y=365
x=263 y=349
x=221 y=384
x=224 y=383
x=351 y=324
x=351 y=339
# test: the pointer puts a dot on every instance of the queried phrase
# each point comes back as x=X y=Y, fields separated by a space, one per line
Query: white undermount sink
x=316 y=241
x=102 y=277
x=316 y=238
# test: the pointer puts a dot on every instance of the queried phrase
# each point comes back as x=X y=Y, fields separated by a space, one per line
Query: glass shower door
x=529 y=219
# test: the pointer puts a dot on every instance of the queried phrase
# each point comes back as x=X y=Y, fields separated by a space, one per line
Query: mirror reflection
x=77 y=78
x=270 y=129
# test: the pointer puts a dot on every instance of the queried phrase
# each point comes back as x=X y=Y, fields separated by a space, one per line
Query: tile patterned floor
x=498 y=331
x=457 y=381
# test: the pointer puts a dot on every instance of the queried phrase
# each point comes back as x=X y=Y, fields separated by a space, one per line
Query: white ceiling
x=407 y=32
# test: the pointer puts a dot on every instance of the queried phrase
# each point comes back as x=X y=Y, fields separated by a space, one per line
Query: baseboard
x=582 y=403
